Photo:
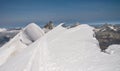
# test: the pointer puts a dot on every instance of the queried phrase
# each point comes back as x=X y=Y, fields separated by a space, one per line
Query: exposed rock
x=107 y=35
x=49 y=26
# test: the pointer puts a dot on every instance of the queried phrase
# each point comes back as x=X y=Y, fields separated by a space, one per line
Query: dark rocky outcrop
x=49 y=26
x=107 y=35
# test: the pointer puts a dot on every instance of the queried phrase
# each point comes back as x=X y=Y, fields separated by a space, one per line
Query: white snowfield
x=60 y=49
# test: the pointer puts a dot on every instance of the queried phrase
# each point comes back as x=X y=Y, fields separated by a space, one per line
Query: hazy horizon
x=15 y=13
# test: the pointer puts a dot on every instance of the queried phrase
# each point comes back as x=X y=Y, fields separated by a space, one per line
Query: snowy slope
x=113 y=49
x=22 y=40
x=62 y=49
x=77 y=50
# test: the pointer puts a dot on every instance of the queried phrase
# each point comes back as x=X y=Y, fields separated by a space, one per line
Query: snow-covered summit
x=61 y=49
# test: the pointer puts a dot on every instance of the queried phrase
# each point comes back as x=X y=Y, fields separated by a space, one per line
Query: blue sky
x=21 y=12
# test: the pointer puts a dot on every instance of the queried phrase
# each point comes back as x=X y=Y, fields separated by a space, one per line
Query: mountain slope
x=22 y=40
x=62 y=49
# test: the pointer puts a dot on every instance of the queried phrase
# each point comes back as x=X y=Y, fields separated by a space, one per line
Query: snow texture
x=60 y=49
x=22 y=40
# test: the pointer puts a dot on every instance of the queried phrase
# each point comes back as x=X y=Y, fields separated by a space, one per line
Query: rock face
x=108 y=35
x=49 y=26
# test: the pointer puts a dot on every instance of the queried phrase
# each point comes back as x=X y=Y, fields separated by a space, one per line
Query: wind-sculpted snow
x=63 y=49
x=113 y=49
x=22 y=40
x=31 y=33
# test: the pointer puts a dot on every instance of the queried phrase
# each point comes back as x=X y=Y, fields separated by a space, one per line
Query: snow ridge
x=61 y=49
